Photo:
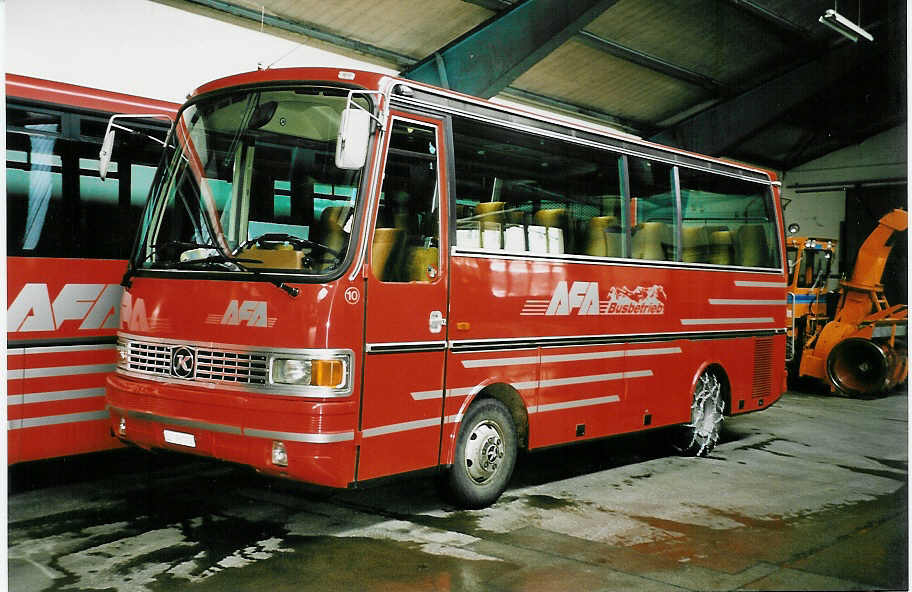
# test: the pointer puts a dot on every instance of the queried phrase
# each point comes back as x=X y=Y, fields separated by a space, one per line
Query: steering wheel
x=297 y=242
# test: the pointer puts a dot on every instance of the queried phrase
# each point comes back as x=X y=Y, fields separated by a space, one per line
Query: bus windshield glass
x=250 y=181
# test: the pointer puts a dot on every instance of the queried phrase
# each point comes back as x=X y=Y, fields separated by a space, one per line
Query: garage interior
x=756 y=81
x=762 y=82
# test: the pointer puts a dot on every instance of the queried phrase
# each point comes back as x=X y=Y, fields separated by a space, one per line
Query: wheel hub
x=483 y=452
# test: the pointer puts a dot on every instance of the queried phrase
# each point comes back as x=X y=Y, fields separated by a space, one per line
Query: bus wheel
x=699 y=437
x=485 y=455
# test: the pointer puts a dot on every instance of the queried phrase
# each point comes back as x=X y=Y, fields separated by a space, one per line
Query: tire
x=699 y=437
x=485 y=455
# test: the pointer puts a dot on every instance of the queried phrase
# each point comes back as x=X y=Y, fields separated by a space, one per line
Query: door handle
x=436 y=322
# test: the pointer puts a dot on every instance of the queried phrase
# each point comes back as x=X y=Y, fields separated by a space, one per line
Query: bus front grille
x=208 y=365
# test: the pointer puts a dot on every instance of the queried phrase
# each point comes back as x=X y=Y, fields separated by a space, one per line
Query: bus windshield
x=250 y=180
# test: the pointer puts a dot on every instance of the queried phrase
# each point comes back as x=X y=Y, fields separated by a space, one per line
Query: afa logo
x=583 y=298
x=95 y=306
x=251 y=313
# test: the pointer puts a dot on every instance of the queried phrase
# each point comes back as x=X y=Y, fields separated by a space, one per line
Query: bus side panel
x=660 y=376
x=15 y=360
x=63 y=408
x=401 y=413
x=622 y=346
x=581 y=394
x=61 y=316
x=469 y=373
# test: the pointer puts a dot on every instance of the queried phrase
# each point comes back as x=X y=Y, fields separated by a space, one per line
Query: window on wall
x=653 y=210
x=727 y=221
x=519 y=192
x=57 y=205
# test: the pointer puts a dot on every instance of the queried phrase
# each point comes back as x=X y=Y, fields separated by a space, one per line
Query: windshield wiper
x=177 y=245
x=216 y=258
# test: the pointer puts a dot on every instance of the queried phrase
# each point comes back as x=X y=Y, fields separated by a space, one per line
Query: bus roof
x=377 y=81
x=48 y=91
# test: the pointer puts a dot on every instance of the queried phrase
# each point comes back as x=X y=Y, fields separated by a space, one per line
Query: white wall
x=141 y=47
x=819 y=214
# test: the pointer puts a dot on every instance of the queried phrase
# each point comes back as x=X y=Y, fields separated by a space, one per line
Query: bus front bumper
x=262 y=432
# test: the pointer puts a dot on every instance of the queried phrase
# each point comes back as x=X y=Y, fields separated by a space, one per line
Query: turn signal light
x=326 y=373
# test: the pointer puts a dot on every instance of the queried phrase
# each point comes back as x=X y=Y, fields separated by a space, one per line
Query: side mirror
x=353 y=139
x=104 y=156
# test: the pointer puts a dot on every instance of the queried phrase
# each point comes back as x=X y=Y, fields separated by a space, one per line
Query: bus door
x=405 y=335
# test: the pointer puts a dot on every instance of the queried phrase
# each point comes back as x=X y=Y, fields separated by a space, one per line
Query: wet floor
x=810 y=494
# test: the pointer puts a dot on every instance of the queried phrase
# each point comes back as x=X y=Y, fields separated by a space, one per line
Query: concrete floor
x=810 y=494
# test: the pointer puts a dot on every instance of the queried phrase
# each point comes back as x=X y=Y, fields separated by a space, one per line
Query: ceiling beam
x=651 y=62
x=487 y=59
x=624 y=124
x=772 y=18
x=625 y=53
x=719 y=128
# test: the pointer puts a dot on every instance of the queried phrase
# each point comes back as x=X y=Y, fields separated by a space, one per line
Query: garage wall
x=881 y=158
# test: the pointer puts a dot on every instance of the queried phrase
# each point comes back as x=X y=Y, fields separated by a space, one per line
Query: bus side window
x=727 y=221
x=520 y=192
x=653 y=216
x=57 y=206
x=406 y=245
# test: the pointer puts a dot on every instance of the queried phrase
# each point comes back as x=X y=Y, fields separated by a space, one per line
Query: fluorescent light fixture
x=844 y=26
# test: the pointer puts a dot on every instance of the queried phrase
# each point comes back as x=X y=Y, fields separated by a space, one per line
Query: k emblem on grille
x=183 y=361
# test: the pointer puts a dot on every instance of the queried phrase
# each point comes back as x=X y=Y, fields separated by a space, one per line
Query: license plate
x=180 y=438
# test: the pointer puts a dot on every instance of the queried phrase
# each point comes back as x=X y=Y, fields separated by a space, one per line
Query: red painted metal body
x=623 y=366
x=62 y=316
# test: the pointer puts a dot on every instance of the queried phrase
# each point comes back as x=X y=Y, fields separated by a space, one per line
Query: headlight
x=121 y=349
x=327 y=373
x=291 y=371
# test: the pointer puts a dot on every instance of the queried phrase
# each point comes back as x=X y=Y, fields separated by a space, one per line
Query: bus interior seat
x=554 y=218
x=386 y=253
x=421 y=264
x=694 y=244
x=603 y=237
x=650 y=241
x=750 y=246
x=720 y=247
x=490 y=211
x=330 y=232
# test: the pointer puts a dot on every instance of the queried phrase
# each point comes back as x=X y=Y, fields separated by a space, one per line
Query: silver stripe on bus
x=187 y=423
x=744 y=302
x=327 y=438
x=556 y=358
x=593 y=378
x=438 y=393
x=36 y=422
x=751 y=284
x=401 y=427
x=572 y=404
x=492 y=362
x=51 y=371
x=324 y=438
x=726 y=321
x=46 y=397
x=532 y=384
x=64 y=349
x=407 y=426
x=419 y=424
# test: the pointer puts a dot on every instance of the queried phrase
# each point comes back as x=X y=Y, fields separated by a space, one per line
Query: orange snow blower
x=862 y=350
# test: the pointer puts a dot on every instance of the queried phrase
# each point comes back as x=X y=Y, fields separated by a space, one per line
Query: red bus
x=341 y=276
x=68 y=235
